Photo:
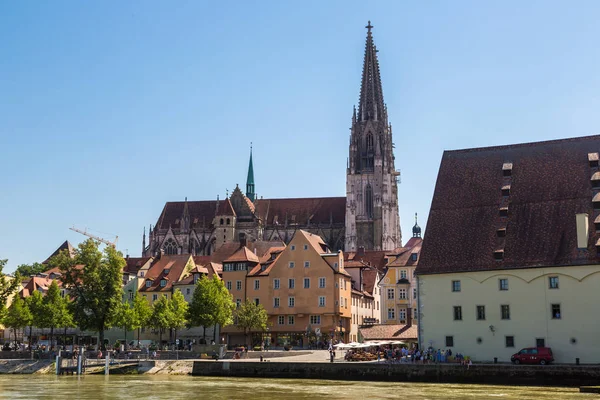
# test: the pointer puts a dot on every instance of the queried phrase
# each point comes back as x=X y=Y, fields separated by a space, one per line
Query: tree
x=95 y=281
x=142 y=312
x=178 y=312
x=31 y=269
x=211 y=304
x=125 y=318
x=160 y=318
x=18 y=316
x=56 y=313
x=8 y=286
x=251 y=316
x=35 y=304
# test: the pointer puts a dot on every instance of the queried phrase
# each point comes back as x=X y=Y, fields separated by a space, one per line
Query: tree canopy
x=18 y=315
x=94 y=279
x=251 y=317
x=31 y=269
x=211 y=304
x=178 y=311
x=8 y=286
x=142 y=311
x=161 y=316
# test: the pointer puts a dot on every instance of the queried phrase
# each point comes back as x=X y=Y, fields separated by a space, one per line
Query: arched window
x=221 y=221
x=369 y=141
x=170 y=247
x=369 y=201
x=228 y=221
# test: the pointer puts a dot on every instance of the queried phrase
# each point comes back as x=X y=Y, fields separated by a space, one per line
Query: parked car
x=533 y=355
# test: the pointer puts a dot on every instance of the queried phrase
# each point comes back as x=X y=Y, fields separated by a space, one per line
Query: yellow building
x=303 y=287
x=511 y=255
x=399 y=284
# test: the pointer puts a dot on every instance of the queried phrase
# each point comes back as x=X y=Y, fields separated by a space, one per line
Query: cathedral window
x=369 y=141
x=369 y=201
x=221 y=221
x=170 y=247
x=228 y=221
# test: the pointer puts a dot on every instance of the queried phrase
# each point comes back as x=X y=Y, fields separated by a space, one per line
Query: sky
x=108 y=109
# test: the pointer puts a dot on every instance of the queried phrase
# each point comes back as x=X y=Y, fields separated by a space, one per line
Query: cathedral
x=367 y=217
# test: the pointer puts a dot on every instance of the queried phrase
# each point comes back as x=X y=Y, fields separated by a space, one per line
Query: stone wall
x=549 y=375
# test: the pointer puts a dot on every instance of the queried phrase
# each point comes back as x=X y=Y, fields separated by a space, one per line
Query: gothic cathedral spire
x=372 y=217
x=250 y=180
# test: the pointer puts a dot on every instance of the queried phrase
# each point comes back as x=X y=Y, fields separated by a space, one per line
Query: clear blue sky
x=108 y=109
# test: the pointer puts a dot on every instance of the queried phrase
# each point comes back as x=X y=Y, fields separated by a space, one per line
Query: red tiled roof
x=201 y=213
x=175 y=264
x=133 y=264
x=225 y=208
x=550 y=184
x=389 y=332
x=243 y=254
x=320 y=210
x=374 y=258
x=404 y=258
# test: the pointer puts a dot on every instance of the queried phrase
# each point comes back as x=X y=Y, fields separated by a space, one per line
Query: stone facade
x=372 y=218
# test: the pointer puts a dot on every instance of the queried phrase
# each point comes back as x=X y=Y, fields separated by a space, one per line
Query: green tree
x=211 y=304
x=161 y=316
x=8 y=286
x=18 y=316
x=125 y=318
x=94 y=279
x=35 y=304
x=251 y=317
x=56 y=312
x=31 y=269
x=178 y=312
x=142 y=311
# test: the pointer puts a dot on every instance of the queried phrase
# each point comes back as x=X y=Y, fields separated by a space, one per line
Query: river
x=186 y=387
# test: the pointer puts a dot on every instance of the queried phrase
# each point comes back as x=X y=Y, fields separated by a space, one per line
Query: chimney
x=361 y=251
x=242 y=239
x=161 y=253
x=583 y=229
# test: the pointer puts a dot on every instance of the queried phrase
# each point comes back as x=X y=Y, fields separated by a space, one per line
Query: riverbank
x=489 y=374
x=26 y=367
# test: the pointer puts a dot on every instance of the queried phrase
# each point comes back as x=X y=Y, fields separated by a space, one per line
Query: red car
x=533 y=355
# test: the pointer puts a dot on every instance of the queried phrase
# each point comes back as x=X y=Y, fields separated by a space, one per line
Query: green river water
x=187 y=387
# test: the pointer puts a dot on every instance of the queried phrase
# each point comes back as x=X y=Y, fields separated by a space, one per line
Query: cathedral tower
x=372 y=218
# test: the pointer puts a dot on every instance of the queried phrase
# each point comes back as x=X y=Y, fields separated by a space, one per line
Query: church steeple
x=371 y=105
x=372 y=217
x=250 y=180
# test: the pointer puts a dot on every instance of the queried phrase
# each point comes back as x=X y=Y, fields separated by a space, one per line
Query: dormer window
x=593 y=159
x=499 y=255
x=163 y=282
x=166 y=271
x=596 y=201
x=507 y=169
x=597 y=223
x=501 y=232
x=196 y=277
x=596 y=180
x=148 y=283
x=504 y=211
x=506 y=190
x=414 y=256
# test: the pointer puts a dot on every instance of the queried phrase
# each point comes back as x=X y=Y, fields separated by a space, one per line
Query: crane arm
x=86 y=233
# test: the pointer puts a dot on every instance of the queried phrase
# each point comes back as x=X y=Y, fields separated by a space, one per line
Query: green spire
x=250 y=181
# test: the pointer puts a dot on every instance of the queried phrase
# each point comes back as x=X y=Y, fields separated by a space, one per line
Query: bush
x=256 y=348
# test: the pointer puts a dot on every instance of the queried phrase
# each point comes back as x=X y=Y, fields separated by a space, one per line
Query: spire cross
x=250 y=146
x=369 y=27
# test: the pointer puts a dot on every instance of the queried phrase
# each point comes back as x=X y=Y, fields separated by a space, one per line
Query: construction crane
x=113 y=244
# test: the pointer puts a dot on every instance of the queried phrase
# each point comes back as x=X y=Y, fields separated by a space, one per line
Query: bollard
x=261 y=358
x=577 y=361
x=495 y=360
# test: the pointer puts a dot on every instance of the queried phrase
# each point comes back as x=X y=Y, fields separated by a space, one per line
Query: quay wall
x=489 y=374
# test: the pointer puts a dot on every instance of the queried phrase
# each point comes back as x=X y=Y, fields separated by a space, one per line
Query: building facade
x=512 y=254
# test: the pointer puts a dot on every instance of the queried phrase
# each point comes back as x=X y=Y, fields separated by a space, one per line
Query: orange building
x=303 y=287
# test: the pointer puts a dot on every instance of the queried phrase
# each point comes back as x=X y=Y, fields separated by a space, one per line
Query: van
x=533 y=355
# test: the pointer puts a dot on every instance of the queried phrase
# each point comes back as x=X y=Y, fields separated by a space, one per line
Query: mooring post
x=107 y=363
x=57 y=365
x=79 y=364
